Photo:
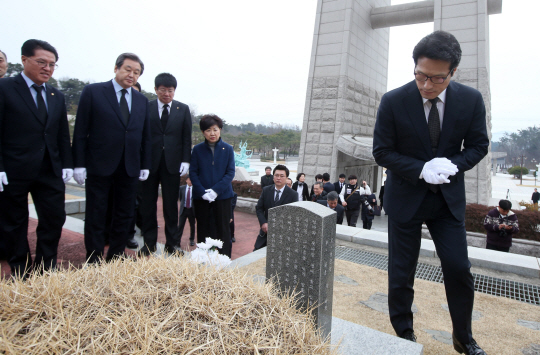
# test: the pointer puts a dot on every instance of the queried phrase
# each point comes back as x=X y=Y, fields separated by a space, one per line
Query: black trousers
x=261 y=240
x=496 y=247
x=352 y=217
x=48 y=194
x=366 y=223
x=450 y=240
x=187 y=214
x=110 y=209
x=170 y=187
x=97 y=194
x=221 y=210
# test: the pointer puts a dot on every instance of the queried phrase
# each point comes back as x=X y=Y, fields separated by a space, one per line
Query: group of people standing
x=124 y=147
x=351 y=199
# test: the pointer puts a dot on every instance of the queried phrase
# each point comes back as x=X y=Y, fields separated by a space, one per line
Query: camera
x=503 y=233
x=364 y=200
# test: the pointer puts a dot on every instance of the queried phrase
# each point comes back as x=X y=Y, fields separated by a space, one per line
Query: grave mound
x=152 y=306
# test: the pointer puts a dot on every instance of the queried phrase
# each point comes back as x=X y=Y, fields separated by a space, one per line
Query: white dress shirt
x=188 y=188
x=280 y=192
x=160 y=106
x=440 y=106
x=300 y=190
x=118 y=90
x=33 y=91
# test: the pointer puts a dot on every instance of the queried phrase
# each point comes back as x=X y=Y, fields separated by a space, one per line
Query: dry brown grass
x=151 y=306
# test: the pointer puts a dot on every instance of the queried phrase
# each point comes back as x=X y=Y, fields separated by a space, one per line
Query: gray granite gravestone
x=300 y=254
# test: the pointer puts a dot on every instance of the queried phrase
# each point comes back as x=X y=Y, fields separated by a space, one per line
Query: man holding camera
x=500 y=224
x=352 y=197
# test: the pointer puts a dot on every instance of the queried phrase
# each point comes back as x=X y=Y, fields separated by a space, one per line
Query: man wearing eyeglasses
x=111 y=150
x=420 y=130
x=35 y=158
x=170 y=124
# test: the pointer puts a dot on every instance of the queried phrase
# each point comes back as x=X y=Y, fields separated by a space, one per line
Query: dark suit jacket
x=101 y=137
x=175 y=141
x=267 y=180
x=266 y=201
x=339 y=210
x=182 y=198
x=305 y=190
x=329 y=187
x=401 y=143
x=24 y=138
x=336 y=186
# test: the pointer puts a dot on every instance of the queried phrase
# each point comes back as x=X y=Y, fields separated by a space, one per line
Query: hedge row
x=247 y=189
x=529 y=221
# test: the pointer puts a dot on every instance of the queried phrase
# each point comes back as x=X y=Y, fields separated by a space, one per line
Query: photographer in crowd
x=352 y=197
x=500 y=224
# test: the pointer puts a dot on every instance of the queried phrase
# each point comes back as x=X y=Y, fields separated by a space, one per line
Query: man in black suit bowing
x=111 y=149
x=273 y=195
x=170 y=125
x=418 y=137
x=35 y=158
x=332 y=203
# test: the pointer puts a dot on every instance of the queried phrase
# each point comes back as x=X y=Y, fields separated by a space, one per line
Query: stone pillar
x=300 y=254
x=468 y=20
x=347 y=78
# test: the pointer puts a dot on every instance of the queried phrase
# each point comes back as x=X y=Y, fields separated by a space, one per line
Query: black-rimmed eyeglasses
x=43 y=64
x=434 y=79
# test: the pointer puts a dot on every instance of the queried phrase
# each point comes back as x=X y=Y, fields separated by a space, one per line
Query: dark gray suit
x=33 y=153
x=170 y=147
x=266 y=201
x=186 y=213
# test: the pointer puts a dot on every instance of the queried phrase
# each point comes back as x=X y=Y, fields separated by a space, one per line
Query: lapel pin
x=52 y=93
x=178 y=108
x=223 y=148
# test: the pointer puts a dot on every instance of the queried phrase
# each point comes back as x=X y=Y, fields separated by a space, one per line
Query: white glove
x=437 y=170
x=67 y=174
x=80 y=175
x=184 y=168
x=3 y=180
x=207 y=197
x=144 y=174
x=211 y=193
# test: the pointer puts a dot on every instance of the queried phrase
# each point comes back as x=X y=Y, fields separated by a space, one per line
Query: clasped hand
x=437 y=170
x=210 y=195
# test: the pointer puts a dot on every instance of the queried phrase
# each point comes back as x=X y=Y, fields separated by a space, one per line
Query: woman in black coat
x=301 y=187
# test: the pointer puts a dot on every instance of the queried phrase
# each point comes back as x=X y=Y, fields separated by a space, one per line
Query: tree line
x=524 y=142
x=261 y=138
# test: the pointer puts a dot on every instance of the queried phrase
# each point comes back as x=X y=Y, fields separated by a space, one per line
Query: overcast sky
x=247 y=60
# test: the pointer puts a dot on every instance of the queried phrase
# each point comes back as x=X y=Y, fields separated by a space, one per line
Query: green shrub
x=529 y=221
x=515 y=170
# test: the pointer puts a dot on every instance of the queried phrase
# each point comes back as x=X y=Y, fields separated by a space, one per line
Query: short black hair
x=318 y=176
x=326 y=177
x=439 y=45
x=5 y=56
x=281 y=167
x=332 y=196
x=209 y=120
x=299 y=175
x=268 y=167
x=318 y=183
x=138 y=86
x=352 y=176
x=29 y=47
x=342 y=176
x=505 y=205
x=122 y=57
x=165 y=79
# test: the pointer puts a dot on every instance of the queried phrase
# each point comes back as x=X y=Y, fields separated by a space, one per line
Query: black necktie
x=124 y=108
x=164 y=116
x=434 y=125
x=42 y=109
x=276 y=200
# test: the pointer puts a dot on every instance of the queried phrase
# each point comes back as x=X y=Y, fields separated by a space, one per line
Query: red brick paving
x=71 y=248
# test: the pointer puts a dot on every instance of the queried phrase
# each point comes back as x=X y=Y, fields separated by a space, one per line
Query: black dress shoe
x=132 y=243
x=233 y=240
x=145 y=251
x=173 y=250
x=471 y=348
x=408 y=335
x=191 y=242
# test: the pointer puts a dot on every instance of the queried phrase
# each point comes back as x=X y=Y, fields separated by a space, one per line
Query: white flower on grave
x=206 y=253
